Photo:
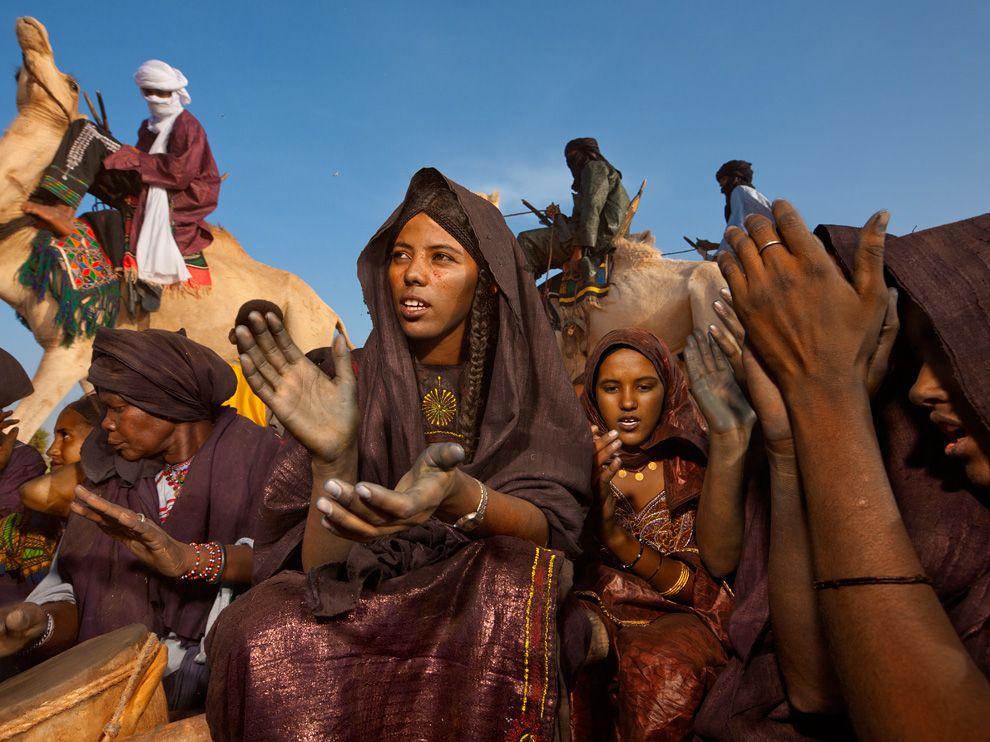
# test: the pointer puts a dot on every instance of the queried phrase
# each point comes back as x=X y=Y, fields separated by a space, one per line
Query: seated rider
x=164 y=187
x=600 y=205
x=735 y=180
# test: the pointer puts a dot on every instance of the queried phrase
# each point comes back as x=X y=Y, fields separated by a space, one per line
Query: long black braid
x=482 y=328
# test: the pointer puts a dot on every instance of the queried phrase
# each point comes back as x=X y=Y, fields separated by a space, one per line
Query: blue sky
x=321 y=111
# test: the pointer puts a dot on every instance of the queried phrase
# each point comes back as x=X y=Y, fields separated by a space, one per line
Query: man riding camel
x=163 y=188
x=600 y=204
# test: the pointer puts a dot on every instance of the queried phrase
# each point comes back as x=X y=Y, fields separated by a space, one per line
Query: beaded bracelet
x=215 y=558
x=45 y=635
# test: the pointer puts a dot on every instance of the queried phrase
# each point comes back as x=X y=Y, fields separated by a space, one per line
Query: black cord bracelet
x=638 y=557
x=856 y=581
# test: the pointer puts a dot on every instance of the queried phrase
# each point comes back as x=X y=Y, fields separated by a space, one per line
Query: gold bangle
x=679 y=583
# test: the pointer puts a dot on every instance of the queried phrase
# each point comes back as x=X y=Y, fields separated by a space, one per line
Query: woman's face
x=433 y=281
x=71 y=430
x=134 y=433
x=630 y=395
x=936 y=389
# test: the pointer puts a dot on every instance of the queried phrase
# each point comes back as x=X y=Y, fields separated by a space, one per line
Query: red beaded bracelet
x=215 y=558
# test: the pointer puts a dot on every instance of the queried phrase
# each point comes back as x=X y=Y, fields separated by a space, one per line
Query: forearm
x=65 y=617
x=797 y=626
x=720 y=520
x=664 y=573
x=505 y=515
x=903 y=671
x=319 y=545
x=237 y=568
x=52 y=493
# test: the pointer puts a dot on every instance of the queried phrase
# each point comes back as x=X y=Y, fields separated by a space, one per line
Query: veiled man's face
x=433 y=280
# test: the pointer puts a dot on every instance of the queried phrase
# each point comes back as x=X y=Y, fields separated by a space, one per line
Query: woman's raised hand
x=714 y=388
x=366 y=511
x=607 y=463
x=321 y=412
x=763 y=392
x=807 y=323
x=146 y=539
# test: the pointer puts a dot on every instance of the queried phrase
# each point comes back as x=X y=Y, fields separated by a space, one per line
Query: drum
x=105 y=688
x=193 y=729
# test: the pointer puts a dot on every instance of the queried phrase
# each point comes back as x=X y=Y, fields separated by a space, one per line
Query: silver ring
x=141 y=517
x=769 y=244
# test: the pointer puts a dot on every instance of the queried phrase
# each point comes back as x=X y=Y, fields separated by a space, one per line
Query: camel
x=669 y=297
x=47 y=100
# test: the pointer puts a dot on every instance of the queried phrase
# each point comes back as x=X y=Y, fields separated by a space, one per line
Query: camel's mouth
x=32 y=36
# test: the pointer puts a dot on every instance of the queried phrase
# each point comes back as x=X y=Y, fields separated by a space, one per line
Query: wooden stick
x=630 y=213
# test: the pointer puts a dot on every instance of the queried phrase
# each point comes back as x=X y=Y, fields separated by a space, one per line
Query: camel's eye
x=73 y=85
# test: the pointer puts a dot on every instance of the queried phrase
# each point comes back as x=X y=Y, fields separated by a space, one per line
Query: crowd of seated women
x=781 y=535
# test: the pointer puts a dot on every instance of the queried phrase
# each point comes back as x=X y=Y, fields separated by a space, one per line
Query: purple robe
x=25 y=464
x=186 y=170
x=218 y=502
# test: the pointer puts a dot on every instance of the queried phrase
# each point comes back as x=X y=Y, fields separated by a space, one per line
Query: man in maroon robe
x=172 y=160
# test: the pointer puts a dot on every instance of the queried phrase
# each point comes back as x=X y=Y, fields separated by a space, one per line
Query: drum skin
x=73 y=695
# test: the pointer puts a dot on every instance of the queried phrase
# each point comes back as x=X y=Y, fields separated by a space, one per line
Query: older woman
x=887 y=626
x=177 y=475
x=430 y=601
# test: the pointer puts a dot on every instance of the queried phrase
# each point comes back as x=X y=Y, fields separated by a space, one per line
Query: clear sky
x=321 y=111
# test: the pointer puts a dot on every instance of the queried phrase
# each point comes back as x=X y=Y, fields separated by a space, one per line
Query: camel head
x=43 y=90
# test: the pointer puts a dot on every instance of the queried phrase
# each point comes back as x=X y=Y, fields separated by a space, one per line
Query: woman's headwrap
x=946 y=272
x=680 y=419
x=163 y=373
x=578 y=153
x=159 y=75
x=14 y=382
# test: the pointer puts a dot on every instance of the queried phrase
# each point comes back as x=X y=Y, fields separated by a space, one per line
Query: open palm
x=321 y=412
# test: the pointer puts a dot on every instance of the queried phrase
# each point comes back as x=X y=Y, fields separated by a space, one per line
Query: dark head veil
x=533 y=441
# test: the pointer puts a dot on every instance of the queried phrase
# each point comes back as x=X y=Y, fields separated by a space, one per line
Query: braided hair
x=482 y=329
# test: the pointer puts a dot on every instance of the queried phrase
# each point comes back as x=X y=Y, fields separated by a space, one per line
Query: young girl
x=664 y=613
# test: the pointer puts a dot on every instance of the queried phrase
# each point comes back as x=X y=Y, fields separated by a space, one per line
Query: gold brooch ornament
x=439 y=406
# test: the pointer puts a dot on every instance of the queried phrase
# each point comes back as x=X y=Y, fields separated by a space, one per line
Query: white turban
x=158 y=75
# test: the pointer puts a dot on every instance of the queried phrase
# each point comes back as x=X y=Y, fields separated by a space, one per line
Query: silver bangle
x=469 y=522
x=45 y=636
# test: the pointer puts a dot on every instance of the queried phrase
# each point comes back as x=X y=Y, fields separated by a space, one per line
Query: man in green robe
x=600 y=204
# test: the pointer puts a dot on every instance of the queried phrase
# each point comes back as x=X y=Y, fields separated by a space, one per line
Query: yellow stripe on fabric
x=546 y=635
x=582 y=292
x=529 y=605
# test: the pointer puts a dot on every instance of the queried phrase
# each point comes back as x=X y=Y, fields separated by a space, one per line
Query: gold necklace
x=638 y=475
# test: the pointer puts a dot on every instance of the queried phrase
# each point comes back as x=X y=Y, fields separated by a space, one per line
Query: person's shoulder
x=188 y=122
x=25 y=455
